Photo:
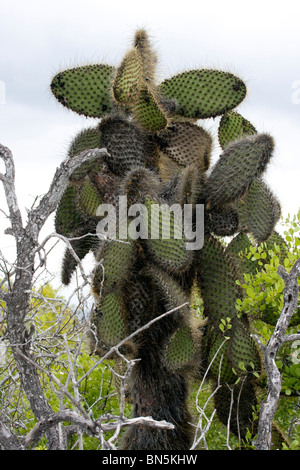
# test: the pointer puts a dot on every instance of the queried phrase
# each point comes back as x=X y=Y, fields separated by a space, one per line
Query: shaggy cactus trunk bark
x=160 y=393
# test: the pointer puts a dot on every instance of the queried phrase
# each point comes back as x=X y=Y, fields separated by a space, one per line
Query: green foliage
x=263 y=302
x=54 y=321
x=264 y=288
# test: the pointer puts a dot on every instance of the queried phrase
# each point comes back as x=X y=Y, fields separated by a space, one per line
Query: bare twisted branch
x=290 y=297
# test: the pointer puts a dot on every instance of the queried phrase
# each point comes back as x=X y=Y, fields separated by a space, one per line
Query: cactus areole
x=160 y=157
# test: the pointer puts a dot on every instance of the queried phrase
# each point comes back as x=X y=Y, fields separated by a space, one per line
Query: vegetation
x=141 y=326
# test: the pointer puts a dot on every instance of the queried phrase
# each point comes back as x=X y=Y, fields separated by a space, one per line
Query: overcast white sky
x=257 y=40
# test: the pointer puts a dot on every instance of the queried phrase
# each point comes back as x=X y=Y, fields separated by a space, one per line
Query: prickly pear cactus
x=160 y=155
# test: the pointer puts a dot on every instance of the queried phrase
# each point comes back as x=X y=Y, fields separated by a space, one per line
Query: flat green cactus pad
x=85 y=90
x=232 y=127
x=127 y=82
x=243 y=351
x=220 y=367
x=217 y=275
x=204 y=93
x=147 y=111
x=263 y=210
x=116 y=264
x=89 y=199
x=238 y=248
x=89 y=138
x=167 y=242
x=109 y=318
x=187 y=143
x=181 y=349
x=68 y=218
x=239 y=164
x=233 y=356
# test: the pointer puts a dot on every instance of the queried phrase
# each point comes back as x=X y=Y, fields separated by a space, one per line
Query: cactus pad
x=127 y=145
x=238 y=249
x=233 y=126
x=217 y=275
x=89 y=138
x=181 y=349
x=263 y=210
x=116 y=262
x=89 y=199
x=85 y=90
x=187 y=144
x=239 y=164
x=204 y=93
x=68 y=218
x=109 y=318
x=149 y=59
x=148 y=112
x=127 y=82
x=190 y=185
x=238 y=353
x=168 y=252
x=243 y=349
x=220 y=366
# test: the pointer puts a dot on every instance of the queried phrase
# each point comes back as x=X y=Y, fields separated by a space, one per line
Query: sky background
x=258 y=40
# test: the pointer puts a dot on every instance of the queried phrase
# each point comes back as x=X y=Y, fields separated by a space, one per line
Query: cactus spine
x=158 y=154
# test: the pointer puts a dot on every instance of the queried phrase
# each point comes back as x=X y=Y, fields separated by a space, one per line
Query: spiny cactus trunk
x=162 y=395
x=157 y=387
x=159 y=393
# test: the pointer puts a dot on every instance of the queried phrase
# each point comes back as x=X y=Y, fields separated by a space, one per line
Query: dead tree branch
x=17 y=298
x=90 y=427
x=269 y=406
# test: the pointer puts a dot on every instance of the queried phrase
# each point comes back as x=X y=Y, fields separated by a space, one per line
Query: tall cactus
x=160 y=155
